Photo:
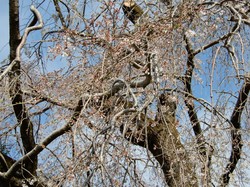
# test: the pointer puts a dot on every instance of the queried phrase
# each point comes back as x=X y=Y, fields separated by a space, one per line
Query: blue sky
x=199 y=90
x=4 y=30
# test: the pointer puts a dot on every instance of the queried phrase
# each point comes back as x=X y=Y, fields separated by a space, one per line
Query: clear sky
x=4 y=30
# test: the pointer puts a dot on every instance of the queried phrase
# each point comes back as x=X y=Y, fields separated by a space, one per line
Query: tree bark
x=26 y=126
x=161 y=138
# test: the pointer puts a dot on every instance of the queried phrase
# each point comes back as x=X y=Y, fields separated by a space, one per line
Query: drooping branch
x=17 y=43
x=203 y=150
x=14 y=70
x=119 y=85
x=236 y=132
x=187 y=82
x=230 y=33
x=42 y=145
x=188 y=101
x=31 y=27
x=162 y=139
x=43 y=98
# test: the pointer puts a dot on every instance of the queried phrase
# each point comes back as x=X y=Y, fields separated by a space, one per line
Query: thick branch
x=161 y=138
x=119 y=85
x=188 y=79
x=236 y=133
x=5 y=162
x=39 y=147
x=26 y=126
x=59 y=12
x=189 y=103
x=234 y=29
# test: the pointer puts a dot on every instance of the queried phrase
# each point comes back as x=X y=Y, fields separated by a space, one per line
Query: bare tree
x=126 y=93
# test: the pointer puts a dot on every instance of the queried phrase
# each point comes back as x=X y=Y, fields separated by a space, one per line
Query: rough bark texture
x=27 y=169
x=26 y=126
x=237 y=143
x=161 y=138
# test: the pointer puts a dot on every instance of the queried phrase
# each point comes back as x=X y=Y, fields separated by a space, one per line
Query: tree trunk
x=161 y=138
x=21 y=113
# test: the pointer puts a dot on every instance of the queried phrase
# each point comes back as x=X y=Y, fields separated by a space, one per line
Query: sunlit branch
x=189 y=103
x=205 y=152
x=207 y=106
x=31 y=27
x=211 y=44
x=21 y=114
x=43 y=98
x=229 y=46
x=56 y=157
x=59 y=12
x=42 y=145
x=28 y=30
x=118 y=85
x=224 y=37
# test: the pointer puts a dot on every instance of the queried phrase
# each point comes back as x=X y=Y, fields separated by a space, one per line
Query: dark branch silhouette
x=236 y=132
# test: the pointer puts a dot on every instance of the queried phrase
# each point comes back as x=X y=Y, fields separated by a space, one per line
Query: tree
x=91 y=99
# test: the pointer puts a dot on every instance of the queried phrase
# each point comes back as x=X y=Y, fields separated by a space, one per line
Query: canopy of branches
x=126 y=93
